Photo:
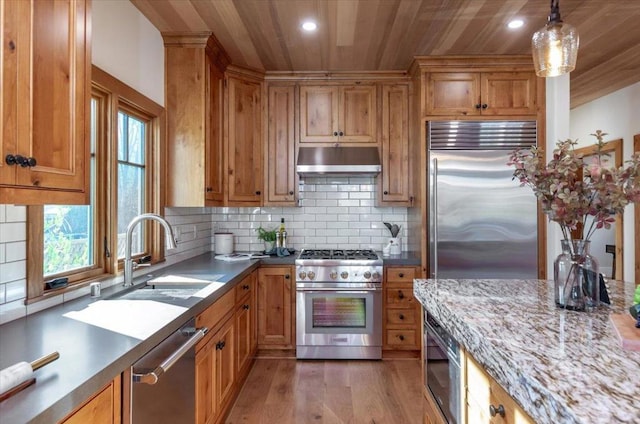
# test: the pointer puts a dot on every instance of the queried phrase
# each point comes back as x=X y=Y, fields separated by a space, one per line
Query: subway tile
x=337 y=195
x=16 y=213
x=12 y=311
x=316 y=224
x=16 y=290
x=348 y=187
x=44 y=304
x=359 y=195
x=3 y=257
x=348 y=202
x=15 y=231
x=2 y=294
x=327 y=203
x=359 y=210
x=3 y=216
x=12 y=271
x=327 y=233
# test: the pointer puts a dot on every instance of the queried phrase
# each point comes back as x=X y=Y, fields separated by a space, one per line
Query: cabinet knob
x=12 y=45
x=493 y=411
x=209 y=189
x=385 y=192
x=400 y=294
x=25 y=161
x=401 y=275
x=478 y=105
x=401 y=337
x=401 y=316
x=341 y=133
x=335 y=133
x=245 y=307
x=258 y=193
x=220 y=345
x=245 y=286
x=291 y=193
x=484 y=106
x=10 y=160
x=286 y=277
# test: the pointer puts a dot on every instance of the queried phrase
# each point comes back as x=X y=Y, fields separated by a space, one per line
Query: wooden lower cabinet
x=402 y=329
x=224 y=357
x=102 y=408
x=484 y=395
x=276 y=308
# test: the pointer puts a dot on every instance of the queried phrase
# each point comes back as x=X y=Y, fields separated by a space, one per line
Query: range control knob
x=302 y=275
x=376 y=275
x=344 y=275
x=311 y=275
x=333 y=275
x=367 y=275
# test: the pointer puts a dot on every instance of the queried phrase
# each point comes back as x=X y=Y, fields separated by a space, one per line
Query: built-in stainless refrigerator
x=482 y=224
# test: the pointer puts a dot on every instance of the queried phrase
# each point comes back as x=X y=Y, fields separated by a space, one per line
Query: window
x=83 y=242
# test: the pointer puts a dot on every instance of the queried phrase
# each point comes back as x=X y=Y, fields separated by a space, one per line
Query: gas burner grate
x=341 y=254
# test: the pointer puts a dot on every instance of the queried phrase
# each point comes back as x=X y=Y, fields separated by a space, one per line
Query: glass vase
x=576 y=277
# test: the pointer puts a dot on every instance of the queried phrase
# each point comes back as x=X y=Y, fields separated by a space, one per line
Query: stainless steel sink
x=178 y=293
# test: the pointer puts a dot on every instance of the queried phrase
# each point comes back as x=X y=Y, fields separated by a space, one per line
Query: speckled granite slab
x=560 y=366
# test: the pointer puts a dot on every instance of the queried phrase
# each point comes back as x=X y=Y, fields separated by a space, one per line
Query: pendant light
x=555 y=47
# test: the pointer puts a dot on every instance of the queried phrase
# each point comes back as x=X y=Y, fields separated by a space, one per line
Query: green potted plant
x=268 y=237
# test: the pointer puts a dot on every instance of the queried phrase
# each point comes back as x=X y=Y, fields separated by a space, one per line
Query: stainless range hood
x=338 y=161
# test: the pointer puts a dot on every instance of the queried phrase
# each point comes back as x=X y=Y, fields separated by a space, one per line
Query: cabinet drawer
x=513 y=413
x=245 y=287
x=404 y=337
x=400 y=297
x=401 y=316
x=477 y=382
x=401 y=275
x=213 y=315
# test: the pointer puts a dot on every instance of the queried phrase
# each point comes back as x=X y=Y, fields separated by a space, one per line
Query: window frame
x=113 y=96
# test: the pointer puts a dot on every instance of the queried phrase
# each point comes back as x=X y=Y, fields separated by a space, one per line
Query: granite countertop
x=91 y=355
x=560 y=366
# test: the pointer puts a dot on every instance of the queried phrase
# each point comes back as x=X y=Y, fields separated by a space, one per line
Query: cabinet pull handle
x=478 y=105
x=493 y=411
x=286 y=277
x=385 y=192
x=400 y=294
x=245 y=307
x=401 y=317
x=484 y=106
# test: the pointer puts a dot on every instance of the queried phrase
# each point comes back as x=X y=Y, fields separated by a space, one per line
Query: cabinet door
x=47 y=100
x=243 y=333
x=318 y=114
x=357 y=114
x=214 y=145
x=225 y=369
x=453 y=93
x=244 y=142
x=275 y=298
x=102 y=408
x=394 y=190
x=280 y=163
x=206 y=407
x=508 y=93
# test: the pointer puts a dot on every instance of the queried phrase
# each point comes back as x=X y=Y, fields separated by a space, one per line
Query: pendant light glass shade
x=555 y=47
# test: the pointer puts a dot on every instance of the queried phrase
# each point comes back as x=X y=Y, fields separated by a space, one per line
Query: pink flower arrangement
x=576 y=196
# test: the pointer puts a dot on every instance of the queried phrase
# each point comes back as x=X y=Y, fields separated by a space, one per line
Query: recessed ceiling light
x=516 y=23
x=309 y=26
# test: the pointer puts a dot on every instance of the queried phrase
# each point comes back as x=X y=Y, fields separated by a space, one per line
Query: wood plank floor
x=286 y=391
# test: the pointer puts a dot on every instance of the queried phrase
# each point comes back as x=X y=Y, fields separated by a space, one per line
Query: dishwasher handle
x=153 y=376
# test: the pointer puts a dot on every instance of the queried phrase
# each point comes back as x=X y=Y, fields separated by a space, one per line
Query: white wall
x=617 y=114
x=126 y=45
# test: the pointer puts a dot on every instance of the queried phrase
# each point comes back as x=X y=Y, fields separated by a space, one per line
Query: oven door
x=339 y=324
x=442 y=370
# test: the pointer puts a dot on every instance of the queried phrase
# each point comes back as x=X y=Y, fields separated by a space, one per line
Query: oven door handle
x=153 y=376
x=337 y=290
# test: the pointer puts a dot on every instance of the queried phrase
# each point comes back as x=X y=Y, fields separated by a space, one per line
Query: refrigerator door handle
x=434 y=272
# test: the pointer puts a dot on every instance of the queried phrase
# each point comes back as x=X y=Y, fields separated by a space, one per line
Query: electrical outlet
x=177 y=234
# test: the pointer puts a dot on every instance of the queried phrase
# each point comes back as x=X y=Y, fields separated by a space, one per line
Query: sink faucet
x=128 y=262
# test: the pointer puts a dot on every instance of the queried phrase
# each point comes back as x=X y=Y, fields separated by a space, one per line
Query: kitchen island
x=560 y=366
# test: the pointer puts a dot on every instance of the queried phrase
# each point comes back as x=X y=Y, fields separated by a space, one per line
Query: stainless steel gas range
x=339 y=304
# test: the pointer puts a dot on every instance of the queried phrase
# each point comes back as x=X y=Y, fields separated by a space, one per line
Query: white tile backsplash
x=13 y=264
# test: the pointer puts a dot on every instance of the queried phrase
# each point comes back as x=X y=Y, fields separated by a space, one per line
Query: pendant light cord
x=554 y=16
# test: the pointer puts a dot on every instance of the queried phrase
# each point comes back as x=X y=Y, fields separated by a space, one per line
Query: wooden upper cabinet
x=330 y=114
x=45 y=85
x=194 y=92
x=280 y=158
x=244 y=137
x=394 y=179
x=481 y=93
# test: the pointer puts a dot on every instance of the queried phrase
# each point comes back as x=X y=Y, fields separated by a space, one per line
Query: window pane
x=136 y=141
x=130 y=204
x=122 y=140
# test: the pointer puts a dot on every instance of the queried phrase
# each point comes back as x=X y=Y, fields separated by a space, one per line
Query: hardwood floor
x=286 y=391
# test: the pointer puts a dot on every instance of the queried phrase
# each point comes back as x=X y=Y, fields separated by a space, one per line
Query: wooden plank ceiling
x=366 y=35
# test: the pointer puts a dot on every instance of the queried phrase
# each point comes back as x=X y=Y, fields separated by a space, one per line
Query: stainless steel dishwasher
x=163 y=381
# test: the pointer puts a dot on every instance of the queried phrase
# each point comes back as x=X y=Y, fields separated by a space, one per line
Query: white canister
x=223 y=243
